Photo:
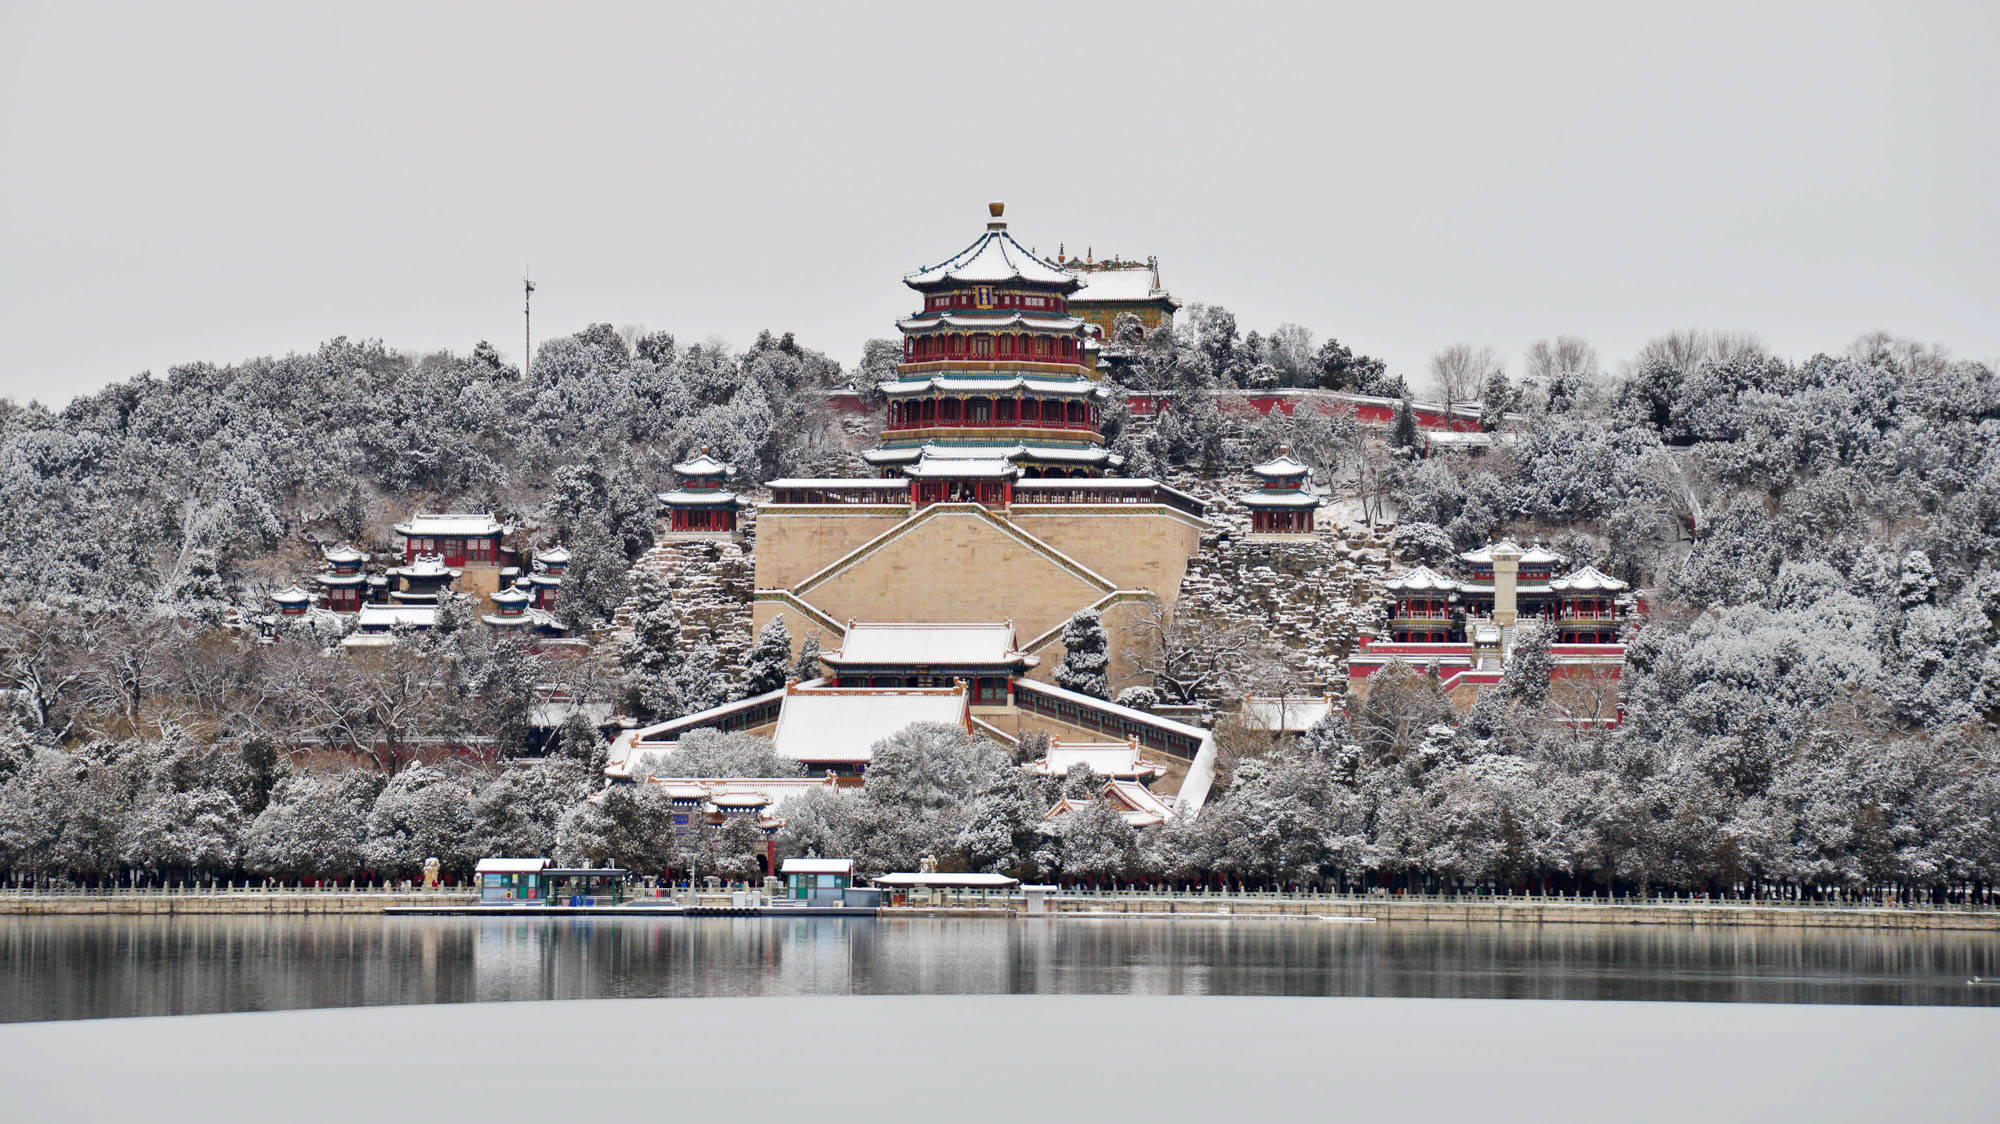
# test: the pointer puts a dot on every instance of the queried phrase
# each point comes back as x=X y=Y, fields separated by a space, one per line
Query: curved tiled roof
x=1419 y=579
x=991 y=259
x=1588 y=580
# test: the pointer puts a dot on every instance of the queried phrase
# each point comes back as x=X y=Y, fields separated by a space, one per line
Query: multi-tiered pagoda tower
x=997 y=379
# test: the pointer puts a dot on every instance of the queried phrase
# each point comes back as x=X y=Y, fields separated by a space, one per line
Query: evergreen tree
x=808 y=665
x=595 y=583
x=1086 y=660
x=1530 y=663
x=770 y=660
x=1403 y=433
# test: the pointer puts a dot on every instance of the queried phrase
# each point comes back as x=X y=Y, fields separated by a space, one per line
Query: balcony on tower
x=988 y=483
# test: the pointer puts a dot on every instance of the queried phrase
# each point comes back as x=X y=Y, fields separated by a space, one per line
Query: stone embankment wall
x=1537 y=912
x=224 y=902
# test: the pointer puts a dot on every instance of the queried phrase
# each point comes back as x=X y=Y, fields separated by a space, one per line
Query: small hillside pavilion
x=545 y=579
x=423 y=579
x=1283 y=507
x=703 y=506
x=1423 y=609
x=1587 y=606
x=346 y=586
x=292 y=601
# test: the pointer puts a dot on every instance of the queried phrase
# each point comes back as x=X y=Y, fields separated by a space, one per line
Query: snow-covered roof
x=340 y=579
x=557 y=555
x=344 y=554
x=703 y=465
x=840 y=483
x=1588 y=580
x=1302 y=498
x=842 y=724
x=510 y=596
x=968 y=384
x=1285 y=714
x=1107 y=759
x=510 y=866
x=1089 y=484
x=816 y=866
x=967 y=881
x=927 y=645
x=993 y=257
x=291 y=595
x=1281 y=467
x=1060 y=454
x=952 y=468
x=992 y=321
x=738 y=792
x=712 y=497
x=1423 y=578
x=390 y=616
x=1138 y=283
x=1053 y=453
x=449 y=524
x=1138 y=798
x=426 y=566
x=1530 y=556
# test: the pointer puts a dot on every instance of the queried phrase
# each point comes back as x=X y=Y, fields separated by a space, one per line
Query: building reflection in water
x=84 y=967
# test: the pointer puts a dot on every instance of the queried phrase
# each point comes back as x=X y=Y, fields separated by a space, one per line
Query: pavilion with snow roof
x=983 y=655
x=1464 y=627
x=1283 y=507
x=994 y=367
x=292 y=601
x=1114 y=760
x=1587 y=606
x=459 y=539
x=422 y=579
x=1112 y=288
x=346 y=586
x=702 y=506
x=545 y=576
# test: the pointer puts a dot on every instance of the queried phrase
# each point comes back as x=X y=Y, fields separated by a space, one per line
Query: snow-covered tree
x=770 y=661
x=1086 y=659
x=423 y=813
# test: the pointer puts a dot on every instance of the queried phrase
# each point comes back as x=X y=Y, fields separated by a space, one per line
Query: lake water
x=96 y=967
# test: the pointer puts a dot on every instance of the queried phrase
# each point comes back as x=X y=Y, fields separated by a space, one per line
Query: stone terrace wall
x=1312 y=596
x=711 y=582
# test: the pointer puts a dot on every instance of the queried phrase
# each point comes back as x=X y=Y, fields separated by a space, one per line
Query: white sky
x=193 y=182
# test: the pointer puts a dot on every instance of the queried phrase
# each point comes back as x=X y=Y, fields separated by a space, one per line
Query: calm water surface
x=95 y=967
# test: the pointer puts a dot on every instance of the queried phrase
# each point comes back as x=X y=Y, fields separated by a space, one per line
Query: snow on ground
x=1017 y=1058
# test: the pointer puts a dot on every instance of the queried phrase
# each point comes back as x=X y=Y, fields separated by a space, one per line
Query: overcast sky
x=185 y=182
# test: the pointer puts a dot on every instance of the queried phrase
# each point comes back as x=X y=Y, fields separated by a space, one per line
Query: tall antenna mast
x=527 y=323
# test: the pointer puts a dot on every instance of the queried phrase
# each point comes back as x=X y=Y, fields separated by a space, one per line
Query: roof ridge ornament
x=994 y=211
